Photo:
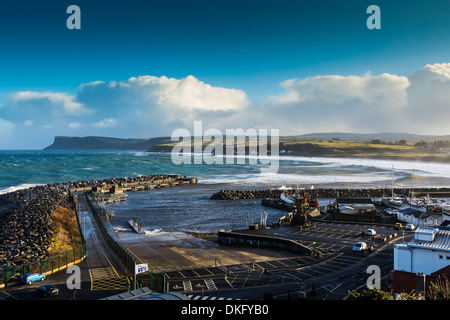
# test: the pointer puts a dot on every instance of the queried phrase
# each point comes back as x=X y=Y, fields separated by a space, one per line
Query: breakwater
x=26 y=215
x=132 y=183
x=236 y=194
x=25 y=222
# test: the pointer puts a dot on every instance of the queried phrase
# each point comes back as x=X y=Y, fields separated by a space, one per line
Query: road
x=105 y=270
x=101 y=274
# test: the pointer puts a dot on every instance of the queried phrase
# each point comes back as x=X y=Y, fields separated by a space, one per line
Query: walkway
x=105 y=272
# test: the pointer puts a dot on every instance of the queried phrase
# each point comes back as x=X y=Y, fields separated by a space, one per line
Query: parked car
x=370 y=232
x=360 y=246
x=391 y=211
x=398 y=226
x=410 y=226
x=47 y=290
x=29 y=278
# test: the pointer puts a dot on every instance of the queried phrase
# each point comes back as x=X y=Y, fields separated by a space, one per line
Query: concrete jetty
x=136 y=226
x=132 y=183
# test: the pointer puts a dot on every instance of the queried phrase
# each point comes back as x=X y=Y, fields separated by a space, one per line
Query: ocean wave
x=426 y=168
x=150 y=232
x=140 y=154
x=18 y=187
x=285 y=178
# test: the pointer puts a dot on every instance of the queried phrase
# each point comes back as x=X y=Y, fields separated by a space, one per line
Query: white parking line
x=10 y=295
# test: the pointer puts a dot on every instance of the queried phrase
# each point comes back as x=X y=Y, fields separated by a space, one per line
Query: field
x=340 y=148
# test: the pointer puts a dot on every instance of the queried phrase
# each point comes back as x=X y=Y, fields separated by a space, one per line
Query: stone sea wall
x=25 y=222
x=26 y=216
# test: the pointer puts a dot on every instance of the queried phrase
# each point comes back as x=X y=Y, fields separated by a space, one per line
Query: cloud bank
x=148 y=106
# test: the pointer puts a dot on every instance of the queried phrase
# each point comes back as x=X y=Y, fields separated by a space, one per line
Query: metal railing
x=45 y=266
x=60 y=260
x=153 y=280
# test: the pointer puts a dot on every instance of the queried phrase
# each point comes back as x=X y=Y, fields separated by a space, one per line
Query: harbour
x=222 y=237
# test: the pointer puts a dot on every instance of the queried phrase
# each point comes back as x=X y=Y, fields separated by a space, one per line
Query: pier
x=120 y=185
x=136 y=226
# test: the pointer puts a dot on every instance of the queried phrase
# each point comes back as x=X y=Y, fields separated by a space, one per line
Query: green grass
x=340 y=148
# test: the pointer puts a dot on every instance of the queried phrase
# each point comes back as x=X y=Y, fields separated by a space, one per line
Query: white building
x=428 y=252
x=418 y=218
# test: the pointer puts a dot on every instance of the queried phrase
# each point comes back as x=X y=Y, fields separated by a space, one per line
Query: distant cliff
x=104 y=143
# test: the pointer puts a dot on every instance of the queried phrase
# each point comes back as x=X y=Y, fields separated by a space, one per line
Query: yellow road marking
x=106 y=278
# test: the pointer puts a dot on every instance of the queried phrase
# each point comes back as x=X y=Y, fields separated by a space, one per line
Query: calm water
x=188 y=208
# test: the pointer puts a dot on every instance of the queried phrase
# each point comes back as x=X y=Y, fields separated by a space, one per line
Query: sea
x=189 y=208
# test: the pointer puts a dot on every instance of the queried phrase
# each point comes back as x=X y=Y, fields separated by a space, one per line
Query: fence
x=45 y=266
x=48 y=265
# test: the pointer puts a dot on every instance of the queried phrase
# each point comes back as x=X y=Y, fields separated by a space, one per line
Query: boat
x=412 y=200
x=416 y=202
x=300 y=198
x=287 y=199
x=393 y=200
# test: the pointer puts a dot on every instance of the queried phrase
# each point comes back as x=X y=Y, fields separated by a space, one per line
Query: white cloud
x=6 y=127
x=6 y=134
x=429 y=98
x=52 y=101
x=162 y=103
x=106 y=123
x=187 y=94
x=368 y=103
x=153 y=106
x=74 y=125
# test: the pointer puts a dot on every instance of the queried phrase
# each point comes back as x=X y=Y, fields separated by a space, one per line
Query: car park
x=360 y=246
x=47 y=290
x=29 y=278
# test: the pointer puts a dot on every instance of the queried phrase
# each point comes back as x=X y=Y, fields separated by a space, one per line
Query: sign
x=141 y=268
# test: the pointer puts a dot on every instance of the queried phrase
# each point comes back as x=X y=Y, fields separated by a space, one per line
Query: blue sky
x=250 y=46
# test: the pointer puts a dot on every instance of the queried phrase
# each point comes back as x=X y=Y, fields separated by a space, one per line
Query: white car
x=360 y=246
x=391 y=211
x=410 y=226
x=370 y=232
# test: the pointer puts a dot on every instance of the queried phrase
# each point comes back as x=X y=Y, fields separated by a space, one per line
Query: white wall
x=402 y=257
x=411 y=259
x=429 y=261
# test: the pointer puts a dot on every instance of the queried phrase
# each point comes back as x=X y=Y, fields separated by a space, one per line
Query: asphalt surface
x=101 y=274
x=203 y=269
x=328 y=277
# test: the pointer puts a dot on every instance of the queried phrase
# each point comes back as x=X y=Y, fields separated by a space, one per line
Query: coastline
x=26 y=215
x=28 y=211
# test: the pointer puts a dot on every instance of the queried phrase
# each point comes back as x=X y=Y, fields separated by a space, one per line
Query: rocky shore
x=236 y=194
x=25 y=222
x=26 y=216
